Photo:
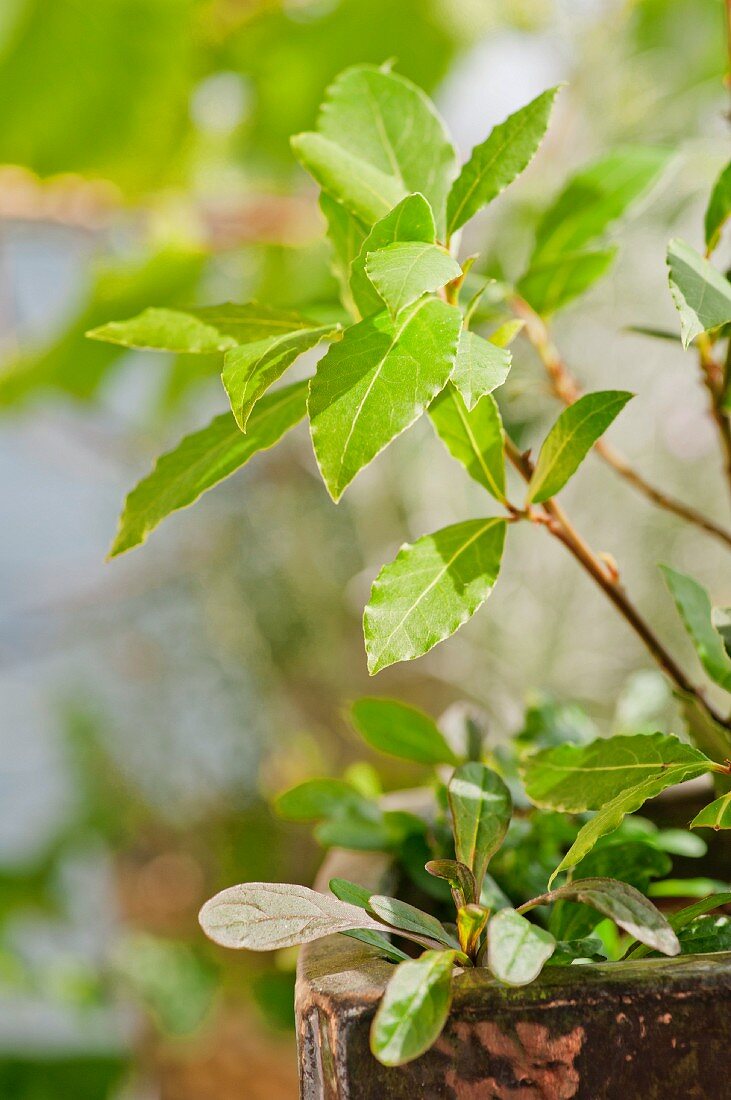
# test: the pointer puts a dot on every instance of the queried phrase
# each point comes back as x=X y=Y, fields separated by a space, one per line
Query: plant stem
x=567 y=389
x=606 y=576
x=714 y=379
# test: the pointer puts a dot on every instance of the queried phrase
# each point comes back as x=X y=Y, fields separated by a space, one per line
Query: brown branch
x=567 y=389
x=714 y=379
x=605 y=574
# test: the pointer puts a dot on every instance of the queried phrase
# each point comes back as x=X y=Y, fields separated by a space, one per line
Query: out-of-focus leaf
x=680 y=920
x=694 y=608
x=318 y=798
x=202 y=460
x=550 y=286
x=481 y=366
x=571 y=438
x=172 y=982
x=266 y=916
x=400 y=730
x=475 y=438
x=596 y=197
x=517 y=950
x=548 y=723
x=346 y=235
x=481 y=808
x=497 y=161
x=410 y=220
x=375 y=382
x=702 y=295
x=718 y=210
x=430 y=589
x=403 y=271
x=414 y=1008
x=567 y=952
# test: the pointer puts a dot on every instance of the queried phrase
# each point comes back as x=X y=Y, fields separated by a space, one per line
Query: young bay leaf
x=481 y=808
x=204 y=459
x=550 y=285
x=718 y=210
x=414 y=1008
x=571 y=438
x=266 y=916
x=410 y=220
x=250 y=369
x=497 y=161
x=430 y=589
x=203 y=330
x=364 y=191
x=400 y=730
x=596 y=197
x=702 y=295
x=474 y=437
x=480 y=367
x=385 y=121
x=716 y=815
x=375 y=382
x=403 y=271
x=517 y=950
x=573 y=778
x=694 y=608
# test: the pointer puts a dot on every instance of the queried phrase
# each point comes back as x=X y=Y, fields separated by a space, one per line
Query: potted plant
x=395 y=201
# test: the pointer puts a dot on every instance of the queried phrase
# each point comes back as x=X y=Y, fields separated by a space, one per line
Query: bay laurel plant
x=481 y=859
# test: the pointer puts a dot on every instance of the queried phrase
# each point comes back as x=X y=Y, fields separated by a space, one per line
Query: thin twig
x=567 y=389
x=714 y=379
x=606 y=576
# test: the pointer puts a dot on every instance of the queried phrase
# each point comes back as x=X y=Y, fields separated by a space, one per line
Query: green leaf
x=481 y=366
x=345 y=890
x=385 y=121
x=475 y=438
x=430 y=589
x=266 y=916
x=504 y=335
x=705 y=935
x=680 y=920
x=612 y=814
x=471 y=921
x=481 y=809
x=407 y=918
x=571 y=438
x=517 y=950
x=596 y=197
x=717 y=815
x=410 y=220
x=353 y=894
x=378 y=940
x=702 y=295
x=201 y=331
x=367 y=828
x=694 y=608
x=375 y=382
x=550 y=286
x=567 y=952
x=250 y=369
x=573 y=778
x=414 y=1008
x=400 y=730
x=625 y=906
x=719 y=208
x=403 y=271
x=497 y=161
x=460 y=878
x=318 y=798
x=204 y=459
x=346 y=235
x=363 y=190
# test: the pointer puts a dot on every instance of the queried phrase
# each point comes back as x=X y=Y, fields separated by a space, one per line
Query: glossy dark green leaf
x=410 y=220
x=400 y=730
x=517 y=950
x=694 y=608
x=702 y=295
x=481 y=366
x=481 y=808
x=497 y=161
x=414 y=1008
x=475 y=438
x=718 y=210
x=571 y=438
x=204 y=459
x=375 y=382
x=430 y=589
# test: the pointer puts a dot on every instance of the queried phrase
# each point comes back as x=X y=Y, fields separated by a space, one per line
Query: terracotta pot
x=655 y=1028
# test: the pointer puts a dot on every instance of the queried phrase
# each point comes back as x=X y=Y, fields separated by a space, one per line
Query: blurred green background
x=150 y=707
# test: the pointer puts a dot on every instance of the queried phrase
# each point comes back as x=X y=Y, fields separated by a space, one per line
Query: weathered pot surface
x=655 y=1028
